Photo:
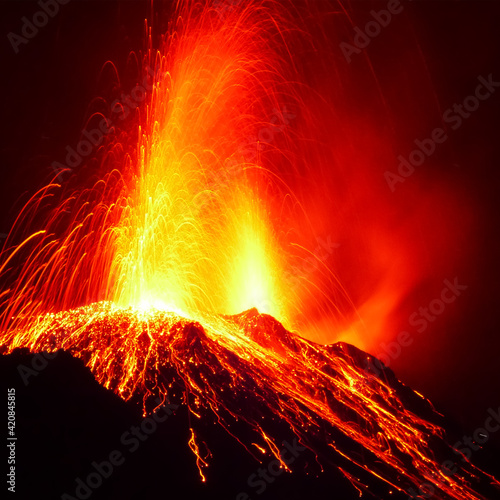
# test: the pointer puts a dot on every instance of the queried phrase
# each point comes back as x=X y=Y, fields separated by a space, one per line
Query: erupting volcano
x=184 y=270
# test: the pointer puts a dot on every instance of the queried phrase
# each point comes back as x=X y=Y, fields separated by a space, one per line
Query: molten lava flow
x=183 y=230
x=246 y=367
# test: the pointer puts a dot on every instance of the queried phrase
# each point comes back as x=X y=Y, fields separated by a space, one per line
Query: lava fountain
x=145 y=274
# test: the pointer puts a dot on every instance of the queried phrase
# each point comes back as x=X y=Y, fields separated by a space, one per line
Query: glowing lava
x=243 y=368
